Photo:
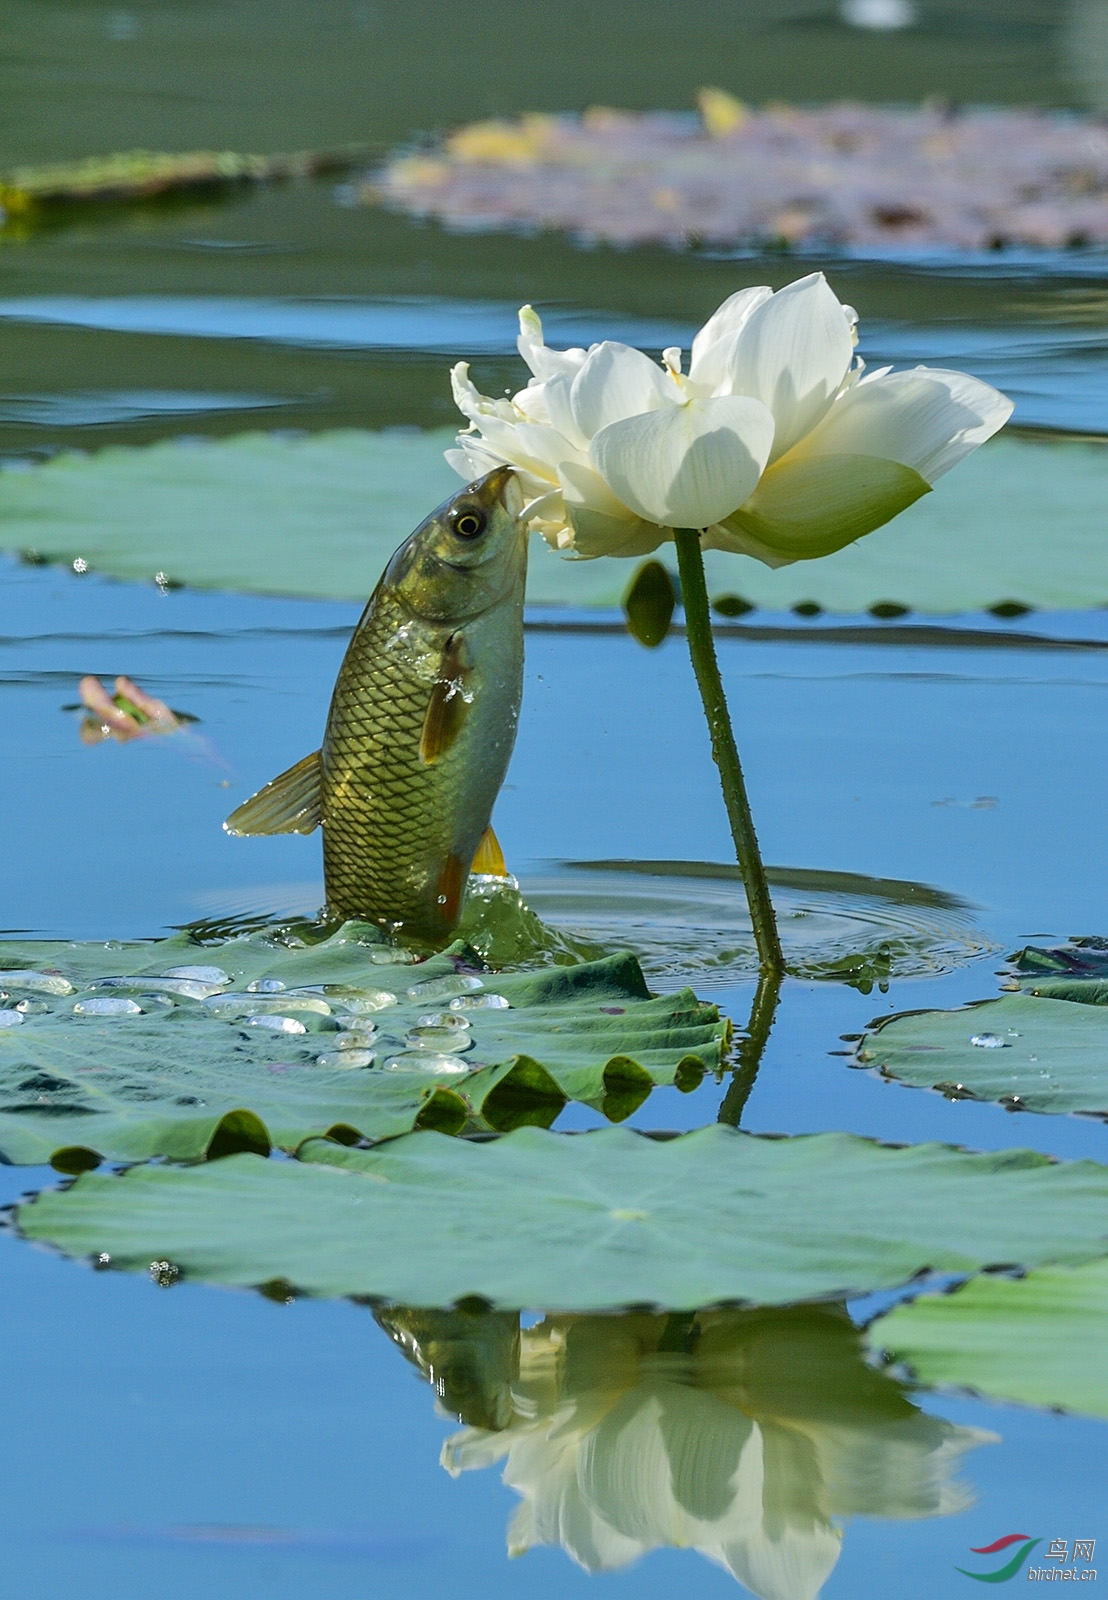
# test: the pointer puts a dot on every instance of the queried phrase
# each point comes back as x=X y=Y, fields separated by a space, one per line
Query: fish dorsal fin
x=449 y=703
x=290 y=804
x=489 y=859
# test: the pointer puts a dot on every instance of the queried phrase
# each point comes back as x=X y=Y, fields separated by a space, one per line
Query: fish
x=421 y=724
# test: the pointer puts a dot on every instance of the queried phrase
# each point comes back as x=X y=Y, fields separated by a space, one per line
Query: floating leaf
x=320 y=516
x=148 y=1049
x=602 y=1219
x=1027 y=1052
x=142 y=174
x=1039 y=1339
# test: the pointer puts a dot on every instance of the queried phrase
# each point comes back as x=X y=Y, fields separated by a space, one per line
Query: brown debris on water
x=865 y=177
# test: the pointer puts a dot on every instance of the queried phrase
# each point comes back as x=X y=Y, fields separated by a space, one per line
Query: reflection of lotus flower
x=773 y=442
x=745 y=1447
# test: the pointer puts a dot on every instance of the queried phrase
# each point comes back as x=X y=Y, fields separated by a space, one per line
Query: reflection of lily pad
x=1039 y=1339
x=133 y=1060
x=602 y=1219
x=1031 y=1054
x=319 y=516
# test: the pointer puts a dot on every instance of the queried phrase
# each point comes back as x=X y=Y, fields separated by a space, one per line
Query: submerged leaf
x=181 y=1050
x=1039 y=1340
x=603 y=1219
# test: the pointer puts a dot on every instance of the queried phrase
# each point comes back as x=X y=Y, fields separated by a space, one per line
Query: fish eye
x=469 y=523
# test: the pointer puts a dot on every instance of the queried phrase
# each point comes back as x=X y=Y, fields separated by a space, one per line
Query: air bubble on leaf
x=425 y=1061
x=164 y=1273
x=32 y=1008
x=199 y=974
x=449 y=1040
x=107 y=1006
x=443 y=1019
x=393 y=958
x=480 y=1002
x=267 y=1019
x=39 y=982
x=10 y=1019
x=989 y=1041
x=345 y=1058
x=265 y=986
x=444 y=988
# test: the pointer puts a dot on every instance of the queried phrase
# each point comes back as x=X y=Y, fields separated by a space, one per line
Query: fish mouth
x=502 y=484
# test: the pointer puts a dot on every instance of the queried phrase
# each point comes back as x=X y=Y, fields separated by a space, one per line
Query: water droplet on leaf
x=199 y=974
x=480 y=1002
x=345 y=1058
x=278 y=1024
x=443 y=988
x=107 y=1006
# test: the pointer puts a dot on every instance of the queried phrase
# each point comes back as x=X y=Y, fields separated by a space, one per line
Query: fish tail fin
x=489 y=859
x=292 y=803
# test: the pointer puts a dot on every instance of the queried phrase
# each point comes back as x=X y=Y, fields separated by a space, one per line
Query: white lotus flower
x=749 y=1455
x=773 y=443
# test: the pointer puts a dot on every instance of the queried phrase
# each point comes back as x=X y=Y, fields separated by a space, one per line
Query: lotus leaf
x=135 y=1060
x=140 y=174
x=1031 y=1053
x=600 y=1219
x=319 y=516
x=1039 y=1339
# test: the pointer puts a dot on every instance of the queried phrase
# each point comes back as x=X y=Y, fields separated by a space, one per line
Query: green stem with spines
x=702 y=649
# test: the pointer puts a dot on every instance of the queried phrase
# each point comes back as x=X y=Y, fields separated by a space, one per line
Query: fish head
x=469 y=556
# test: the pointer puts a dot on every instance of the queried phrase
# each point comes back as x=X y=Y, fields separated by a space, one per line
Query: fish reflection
x=745 y=1435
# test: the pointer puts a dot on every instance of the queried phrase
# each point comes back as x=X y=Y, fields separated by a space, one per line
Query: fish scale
x=384 y=814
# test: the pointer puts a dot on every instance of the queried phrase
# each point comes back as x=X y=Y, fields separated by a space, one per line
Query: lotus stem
x=751 y=1048
x=702 y=649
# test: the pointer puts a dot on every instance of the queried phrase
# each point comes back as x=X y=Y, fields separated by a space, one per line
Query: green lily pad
x=114 y=1057
x=1081 y=958
x=602 y=1219
x=1033 y=1053
x=1039 y=1340
x=320 y=516
x=136 y=175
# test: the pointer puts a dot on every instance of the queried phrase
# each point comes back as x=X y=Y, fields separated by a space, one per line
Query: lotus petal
x=687 y=466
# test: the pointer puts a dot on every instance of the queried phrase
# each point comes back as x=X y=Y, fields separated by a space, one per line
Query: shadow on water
x=743 y=1434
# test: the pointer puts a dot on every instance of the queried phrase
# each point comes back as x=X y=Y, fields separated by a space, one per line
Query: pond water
x=931 y=798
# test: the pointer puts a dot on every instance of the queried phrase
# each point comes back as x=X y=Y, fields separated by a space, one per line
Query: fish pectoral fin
x=290 y=804
x=450 y=701
x=489 y=859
